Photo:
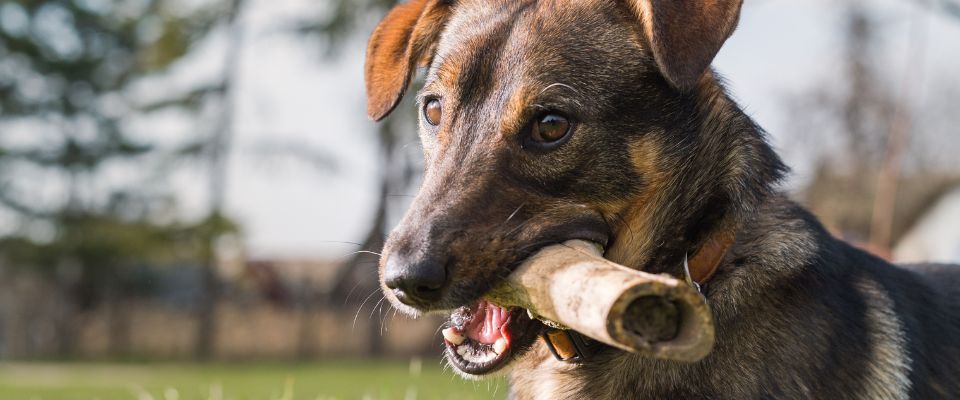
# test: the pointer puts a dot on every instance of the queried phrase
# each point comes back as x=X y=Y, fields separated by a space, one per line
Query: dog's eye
x=433 y=111
x=550 y=129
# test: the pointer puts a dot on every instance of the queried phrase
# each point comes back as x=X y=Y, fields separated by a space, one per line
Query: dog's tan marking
x=514 y=114
x=634 y=218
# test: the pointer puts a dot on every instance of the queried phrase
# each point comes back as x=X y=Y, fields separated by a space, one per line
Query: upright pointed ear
x=404 y=39
x=685 y=35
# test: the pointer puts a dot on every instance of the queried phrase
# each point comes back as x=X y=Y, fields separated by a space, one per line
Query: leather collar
x=704 y=264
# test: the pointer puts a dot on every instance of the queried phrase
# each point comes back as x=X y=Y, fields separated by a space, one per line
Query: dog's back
x=926 y=299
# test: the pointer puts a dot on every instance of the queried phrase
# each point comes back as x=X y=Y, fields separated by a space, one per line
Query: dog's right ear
x=685 y=35
x=405 y=39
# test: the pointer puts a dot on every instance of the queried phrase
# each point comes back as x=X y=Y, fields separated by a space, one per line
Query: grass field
x=329 y=380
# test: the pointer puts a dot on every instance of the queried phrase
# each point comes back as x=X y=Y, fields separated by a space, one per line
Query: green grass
x=329 y=380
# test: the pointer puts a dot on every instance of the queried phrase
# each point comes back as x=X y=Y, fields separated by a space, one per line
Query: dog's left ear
x=685 y=35
x=404 y=39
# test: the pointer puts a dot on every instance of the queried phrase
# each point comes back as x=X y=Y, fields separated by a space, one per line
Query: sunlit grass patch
x=329 y=380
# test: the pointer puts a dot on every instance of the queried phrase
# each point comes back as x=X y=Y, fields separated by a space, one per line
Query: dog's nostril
x=415 y=283
x=427 y=293
x=428 y=288
x=392 y=283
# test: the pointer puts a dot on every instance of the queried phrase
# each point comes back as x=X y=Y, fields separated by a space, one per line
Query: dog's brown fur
x=660 y=160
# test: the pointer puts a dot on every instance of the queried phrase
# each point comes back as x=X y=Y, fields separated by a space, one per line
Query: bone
x=573 y=286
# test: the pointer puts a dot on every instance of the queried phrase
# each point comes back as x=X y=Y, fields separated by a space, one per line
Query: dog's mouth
x=483 y=337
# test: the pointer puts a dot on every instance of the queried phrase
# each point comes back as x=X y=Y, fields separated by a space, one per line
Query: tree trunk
x=306 y=336
x=118 y=323
x=219 y=148
x=207 y=312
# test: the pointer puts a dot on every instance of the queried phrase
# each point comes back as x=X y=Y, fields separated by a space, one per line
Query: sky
x=291 y=95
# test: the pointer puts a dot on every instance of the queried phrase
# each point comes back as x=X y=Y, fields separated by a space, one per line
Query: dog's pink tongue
x=486 y=323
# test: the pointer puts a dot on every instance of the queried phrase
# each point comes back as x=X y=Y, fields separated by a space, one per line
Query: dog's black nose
x=417 y=283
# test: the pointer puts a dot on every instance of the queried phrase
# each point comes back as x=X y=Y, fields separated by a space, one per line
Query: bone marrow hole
x=653 y=318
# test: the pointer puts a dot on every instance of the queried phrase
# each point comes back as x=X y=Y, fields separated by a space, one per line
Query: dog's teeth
x=598 y=247
x=479 y=358
x=453 y=336
x=462 y=350
x=500 y=346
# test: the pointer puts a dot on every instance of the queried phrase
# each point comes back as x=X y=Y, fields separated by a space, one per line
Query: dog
x=544 y=121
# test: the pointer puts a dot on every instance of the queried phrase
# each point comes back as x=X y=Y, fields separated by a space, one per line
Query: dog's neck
x=730 y=171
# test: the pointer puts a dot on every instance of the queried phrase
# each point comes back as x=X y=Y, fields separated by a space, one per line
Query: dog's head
x=544 y=121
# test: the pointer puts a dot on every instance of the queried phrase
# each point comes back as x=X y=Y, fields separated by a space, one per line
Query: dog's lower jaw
x=502 y=372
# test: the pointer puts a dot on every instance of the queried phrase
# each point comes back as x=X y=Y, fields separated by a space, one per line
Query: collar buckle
x=569 y=346
x=686 y=276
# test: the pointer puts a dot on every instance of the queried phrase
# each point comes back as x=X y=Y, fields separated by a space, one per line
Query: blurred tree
x=866 y=123
x=218 y=147
x=356 y=281
x=67 y=75
x=949 y=8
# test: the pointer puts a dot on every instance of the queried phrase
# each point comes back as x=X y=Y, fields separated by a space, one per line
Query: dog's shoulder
x=913 y=318
x=893 y=326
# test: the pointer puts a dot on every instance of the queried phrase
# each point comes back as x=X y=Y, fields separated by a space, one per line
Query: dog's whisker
x=374 y=308
x=360 y=308
x=558 y=84
x=517 y=228
x=340 y=242
x=446 y=367
x=350 y=293
x=380 y=314
x=513 y=214
x=386 y=315
x=394 y=316
x=366 y=252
